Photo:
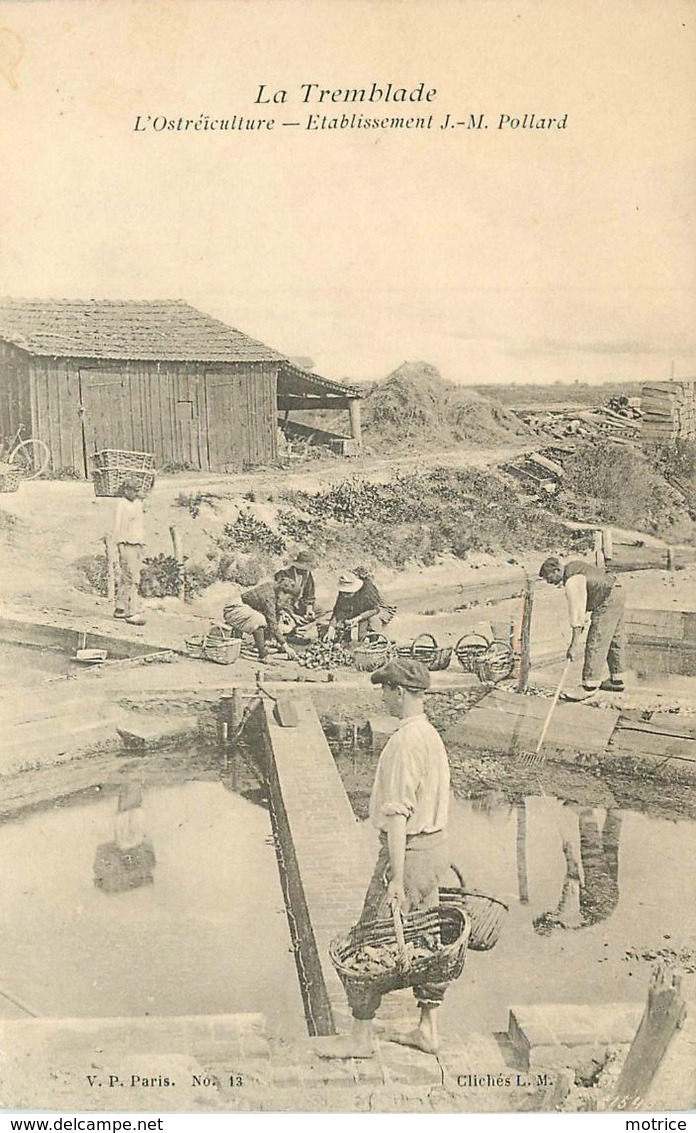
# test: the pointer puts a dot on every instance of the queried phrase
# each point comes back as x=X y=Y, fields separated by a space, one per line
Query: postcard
x=347 y=505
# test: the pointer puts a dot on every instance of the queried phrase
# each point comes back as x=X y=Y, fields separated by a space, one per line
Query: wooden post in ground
x=355 y=426
x=526 y=636
x=178 y=555
x=598 y=549
x=111 y=552
x=237 y=708
x=607 y=544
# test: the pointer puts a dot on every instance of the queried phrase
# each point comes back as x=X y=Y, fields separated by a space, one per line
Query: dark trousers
x=599 y=895
x=606 y=639
x=425 y=869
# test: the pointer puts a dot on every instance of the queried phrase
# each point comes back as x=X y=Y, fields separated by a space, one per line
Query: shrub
x=162 y=576
x=617 y=484
x=91 y=574
x=193 y=501
x=248 y=533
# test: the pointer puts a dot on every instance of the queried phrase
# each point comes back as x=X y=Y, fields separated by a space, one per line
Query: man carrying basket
x=409 y=807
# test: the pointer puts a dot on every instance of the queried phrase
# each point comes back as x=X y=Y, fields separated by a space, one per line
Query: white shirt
x=412 y=779
x=129 y=523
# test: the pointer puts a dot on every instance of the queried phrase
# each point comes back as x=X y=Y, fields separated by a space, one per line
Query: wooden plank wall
x=56 y=401
x=241 y=415
x=15 y=399
x=164 y=408
x=261 y=415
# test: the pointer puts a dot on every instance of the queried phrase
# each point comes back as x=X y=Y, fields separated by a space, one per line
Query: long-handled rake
x=536 y=759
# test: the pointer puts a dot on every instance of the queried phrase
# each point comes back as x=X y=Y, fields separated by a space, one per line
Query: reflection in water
x=129 y=860
x=590 y=890
x=521 y=852
x=119 y=946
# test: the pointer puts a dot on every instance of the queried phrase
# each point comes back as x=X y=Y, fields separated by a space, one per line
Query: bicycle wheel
x=32 y=457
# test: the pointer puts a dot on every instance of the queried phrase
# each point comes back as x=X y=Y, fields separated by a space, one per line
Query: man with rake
x=409 y=807
x=597 y=594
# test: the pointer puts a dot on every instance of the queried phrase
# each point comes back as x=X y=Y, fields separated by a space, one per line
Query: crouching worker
x=409 y=808
x=257 y=611
x=299 y=571
x=597 y=592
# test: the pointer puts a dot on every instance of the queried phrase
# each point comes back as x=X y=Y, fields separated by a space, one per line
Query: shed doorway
x=105 y=412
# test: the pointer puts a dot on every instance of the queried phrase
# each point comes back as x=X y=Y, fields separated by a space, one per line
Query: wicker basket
x=109 y=481
x=9 y=481
x=195 y=647
x=371 y=653
x=470 y=650
x=223 y=652
x=496 y=664
x=449 y=921
x=124 y=461
x=222 y=645
x=486 y=914
x=425 y=649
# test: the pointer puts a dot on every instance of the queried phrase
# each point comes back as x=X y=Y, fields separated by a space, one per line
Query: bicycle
x=29 y=455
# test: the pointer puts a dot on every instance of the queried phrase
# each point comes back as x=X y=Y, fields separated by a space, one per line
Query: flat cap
x=408 y=674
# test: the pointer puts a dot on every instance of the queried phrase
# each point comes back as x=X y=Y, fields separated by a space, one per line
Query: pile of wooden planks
x=669 y=411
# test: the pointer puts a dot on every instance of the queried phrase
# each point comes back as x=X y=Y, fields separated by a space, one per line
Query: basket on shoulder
x=112 y=467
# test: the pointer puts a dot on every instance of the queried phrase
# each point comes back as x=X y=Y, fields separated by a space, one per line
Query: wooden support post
x=179 y=556
x=237 y=708
x=598 y=551
x=111 y=552
x=526 y=636
x=355 y=426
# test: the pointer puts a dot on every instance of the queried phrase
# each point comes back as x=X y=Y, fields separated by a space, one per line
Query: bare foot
x=415 y=1039
x=344 y=1047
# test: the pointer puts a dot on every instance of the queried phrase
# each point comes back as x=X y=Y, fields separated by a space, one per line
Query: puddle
x=202 y=931
x=20 y=664
x=654 y=900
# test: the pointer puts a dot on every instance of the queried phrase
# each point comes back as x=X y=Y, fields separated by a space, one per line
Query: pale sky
x=495 y=255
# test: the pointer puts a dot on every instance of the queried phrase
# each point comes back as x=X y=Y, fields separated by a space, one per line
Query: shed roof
x=163 y=331
x=295 y=381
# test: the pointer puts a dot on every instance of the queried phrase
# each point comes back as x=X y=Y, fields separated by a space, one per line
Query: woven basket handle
x=423 y=637
x=459 y=875
x=468 y=639
x=374 y=639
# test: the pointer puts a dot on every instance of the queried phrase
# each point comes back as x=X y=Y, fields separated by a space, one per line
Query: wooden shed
x=158 y=377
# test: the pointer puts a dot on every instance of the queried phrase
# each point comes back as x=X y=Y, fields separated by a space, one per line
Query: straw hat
x=303 y=560
x=348 y=583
